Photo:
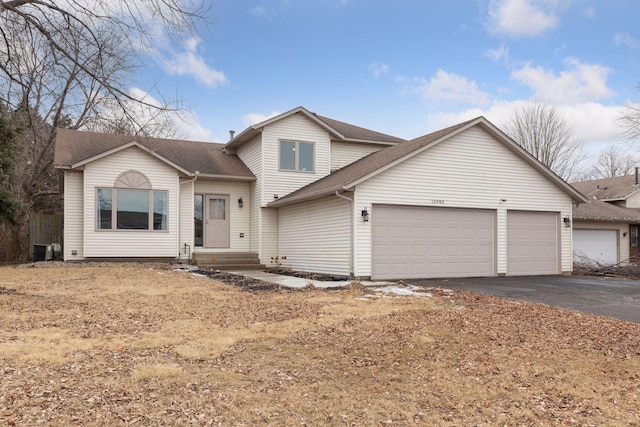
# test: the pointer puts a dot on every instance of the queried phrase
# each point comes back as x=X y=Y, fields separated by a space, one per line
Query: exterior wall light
x=365 y=215
x=240 y=202
x=567 y=221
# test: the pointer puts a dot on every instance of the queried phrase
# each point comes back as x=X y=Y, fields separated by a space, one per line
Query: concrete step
x=228 y=261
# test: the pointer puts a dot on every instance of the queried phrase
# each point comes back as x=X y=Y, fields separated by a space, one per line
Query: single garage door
x=595 y=246
x=420 y=242
x=532 y=243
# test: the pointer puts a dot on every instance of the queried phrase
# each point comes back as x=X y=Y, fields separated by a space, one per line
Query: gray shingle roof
x=74 y=147
x=618 y=188
x=357 y=133
x=338 y=130
x=597 y=210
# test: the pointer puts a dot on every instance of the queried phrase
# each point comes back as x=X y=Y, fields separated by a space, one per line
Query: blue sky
x=405 y=67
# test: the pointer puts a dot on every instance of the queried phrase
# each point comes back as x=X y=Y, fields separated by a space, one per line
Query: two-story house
x=329 y=196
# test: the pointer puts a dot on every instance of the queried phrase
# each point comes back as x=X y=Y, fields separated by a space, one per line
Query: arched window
x=132 y=203
x=132 y=179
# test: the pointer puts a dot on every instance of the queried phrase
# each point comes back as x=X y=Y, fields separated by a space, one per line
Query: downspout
x=351 y=276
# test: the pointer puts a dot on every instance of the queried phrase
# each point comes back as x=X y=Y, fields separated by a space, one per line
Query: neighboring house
x=607 y=229
x=329 y=196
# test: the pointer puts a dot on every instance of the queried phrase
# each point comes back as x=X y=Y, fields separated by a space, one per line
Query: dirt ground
x=111 y=345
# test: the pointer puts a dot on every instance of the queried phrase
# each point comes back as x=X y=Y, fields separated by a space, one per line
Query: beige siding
x=239 y=216
x=469 y=170
x=623 y=234
x=633 y=201
x=344 y=153
x=251 y=155
x=315 y=236
x=269 y=246
x=73 y=215
x=103 y=173
x=295 y=128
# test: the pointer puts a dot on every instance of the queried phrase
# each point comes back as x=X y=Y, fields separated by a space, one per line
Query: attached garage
x=422 y=242
x=599 y=246
x=532 y=243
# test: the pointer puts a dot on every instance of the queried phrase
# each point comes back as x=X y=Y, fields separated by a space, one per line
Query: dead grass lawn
x=141 y=345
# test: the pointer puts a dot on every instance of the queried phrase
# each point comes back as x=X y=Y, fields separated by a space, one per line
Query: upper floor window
x=131 y=205
x=297 y=156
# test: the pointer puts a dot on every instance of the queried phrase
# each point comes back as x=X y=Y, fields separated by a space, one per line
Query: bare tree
x=69 y=64
x=541 y=130
x=630 y=121
x=613 y=162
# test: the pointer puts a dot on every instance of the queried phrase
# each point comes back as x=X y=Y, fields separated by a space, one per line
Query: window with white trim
x=131 y=205
x=297 y=156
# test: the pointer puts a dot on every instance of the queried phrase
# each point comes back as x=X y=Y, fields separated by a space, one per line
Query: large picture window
x=297 y=156
x=128 y=209
x=131 y=205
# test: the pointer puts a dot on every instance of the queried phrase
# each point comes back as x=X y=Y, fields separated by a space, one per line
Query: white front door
x=216 y=222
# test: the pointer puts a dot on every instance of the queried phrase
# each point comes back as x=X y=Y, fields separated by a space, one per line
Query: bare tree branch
x=541 y=130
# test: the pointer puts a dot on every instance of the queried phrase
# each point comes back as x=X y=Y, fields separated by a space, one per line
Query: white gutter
x=195 y=178
x=351 y=233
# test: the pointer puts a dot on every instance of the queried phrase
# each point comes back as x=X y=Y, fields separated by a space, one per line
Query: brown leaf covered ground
x=141 y=345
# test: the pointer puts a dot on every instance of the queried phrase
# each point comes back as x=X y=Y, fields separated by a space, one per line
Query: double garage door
x=422 y=242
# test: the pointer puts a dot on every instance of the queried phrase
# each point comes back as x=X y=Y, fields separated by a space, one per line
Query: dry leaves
x=140 y=345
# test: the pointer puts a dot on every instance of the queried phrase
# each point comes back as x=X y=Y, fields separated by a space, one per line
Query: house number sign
x=437 y=202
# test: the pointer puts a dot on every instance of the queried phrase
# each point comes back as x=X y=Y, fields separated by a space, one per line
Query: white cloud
x=258 y=11
x=189 y=63
x=378 y=69
x=625 y=39
x=590 y=12
x=579 y=83
x=446 y=86
x=593 y=123
x=499 y=54
x=253 y=118
x=522 y=17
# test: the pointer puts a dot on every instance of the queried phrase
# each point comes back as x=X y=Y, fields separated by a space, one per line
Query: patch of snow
x=403 y=290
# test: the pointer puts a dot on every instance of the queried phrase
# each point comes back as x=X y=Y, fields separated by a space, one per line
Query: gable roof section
x=609 y=189
x=75 y=148
x=340 y=131
x=379 y=161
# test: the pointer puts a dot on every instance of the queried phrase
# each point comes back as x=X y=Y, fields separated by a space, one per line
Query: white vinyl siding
x=73 y=215
x=251 y=154
x=345 y=153
x=633 y=201
x=622 y=231
x=314 y=236
x=292 y=128
x=239 y=216
x=139 y=243
x=469 y=170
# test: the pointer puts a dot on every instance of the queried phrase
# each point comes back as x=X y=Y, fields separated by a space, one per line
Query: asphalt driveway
x=614 y=297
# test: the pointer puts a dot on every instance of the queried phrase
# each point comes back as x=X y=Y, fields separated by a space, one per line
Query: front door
x=216 y=223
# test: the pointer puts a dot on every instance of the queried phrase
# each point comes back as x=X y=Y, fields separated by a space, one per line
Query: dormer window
x=297 y=156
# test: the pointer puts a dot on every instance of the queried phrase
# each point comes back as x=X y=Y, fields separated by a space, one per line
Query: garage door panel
x=595 y=246
x=532 y=243
x=435 y=242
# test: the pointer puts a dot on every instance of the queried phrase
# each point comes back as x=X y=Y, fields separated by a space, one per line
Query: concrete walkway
x=299 y=282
